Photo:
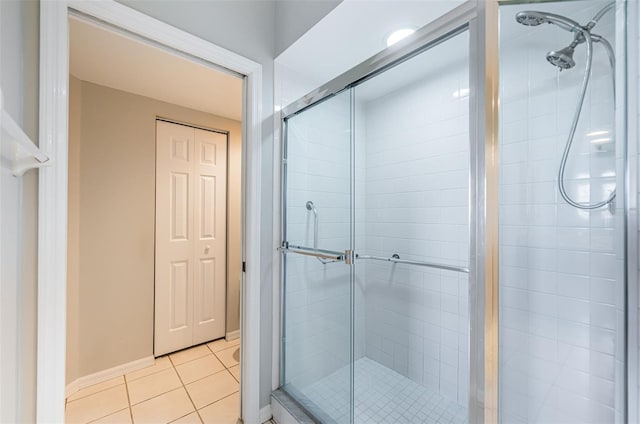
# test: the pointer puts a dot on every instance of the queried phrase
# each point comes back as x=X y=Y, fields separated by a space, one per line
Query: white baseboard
x=232 y=335
x=265 y=414
x=108 y=374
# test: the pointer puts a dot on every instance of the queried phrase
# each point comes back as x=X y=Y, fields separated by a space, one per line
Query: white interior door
x=210 y=209
x=190 y=270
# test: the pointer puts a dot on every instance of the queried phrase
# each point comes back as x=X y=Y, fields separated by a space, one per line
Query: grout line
x=179 y=418
x=219 y=400
x=110 y=413
x=190 y=360
x=184 y=387
x=126 y=386
x=147 y=375
x=201 y=378
x=158 y=395
x=67 y=401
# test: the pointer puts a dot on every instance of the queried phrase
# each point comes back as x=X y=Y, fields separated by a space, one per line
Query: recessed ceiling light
x=398 y=35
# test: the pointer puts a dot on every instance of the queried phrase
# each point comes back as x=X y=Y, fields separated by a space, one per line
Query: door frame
x=53 y=191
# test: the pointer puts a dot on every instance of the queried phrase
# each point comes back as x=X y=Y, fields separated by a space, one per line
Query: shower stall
x=454 y=225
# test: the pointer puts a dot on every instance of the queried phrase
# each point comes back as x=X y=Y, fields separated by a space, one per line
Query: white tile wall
x=316 y=295
x=412 y=159
x=560 y=292
x=560 y=268
x=416 y=205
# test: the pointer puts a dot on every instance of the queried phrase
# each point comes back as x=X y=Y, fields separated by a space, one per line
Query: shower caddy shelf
x=19 y=152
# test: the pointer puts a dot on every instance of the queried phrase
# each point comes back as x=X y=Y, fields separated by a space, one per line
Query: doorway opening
x=54 y=192
x=154 y=234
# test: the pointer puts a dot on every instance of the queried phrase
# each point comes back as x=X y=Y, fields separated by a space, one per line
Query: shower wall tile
x=317 y=296
x=416 y=205
x=559 y=266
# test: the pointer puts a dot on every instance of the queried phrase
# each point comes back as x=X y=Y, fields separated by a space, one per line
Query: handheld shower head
x=530 y=18
x=310 y=205
x=535 y=18
x=562 y=58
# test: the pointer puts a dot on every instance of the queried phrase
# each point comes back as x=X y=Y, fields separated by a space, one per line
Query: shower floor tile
x=382 y=396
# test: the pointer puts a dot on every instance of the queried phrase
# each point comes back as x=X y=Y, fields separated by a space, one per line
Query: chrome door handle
x=310 y=251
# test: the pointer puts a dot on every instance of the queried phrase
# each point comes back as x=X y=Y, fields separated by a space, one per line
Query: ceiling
x=354 y=31
x=108 y=58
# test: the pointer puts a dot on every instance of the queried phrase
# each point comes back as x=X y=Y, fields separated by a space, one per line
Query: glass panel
x=317 y=291
x=561 y=255
x=412 y=194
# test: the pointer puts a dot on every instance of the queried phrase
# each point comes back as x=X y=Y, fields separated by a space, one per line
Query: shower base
x=382 y=396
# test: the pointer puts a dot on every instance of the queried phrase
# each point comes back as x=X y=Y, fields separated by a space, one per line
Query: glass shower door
x=317 y=238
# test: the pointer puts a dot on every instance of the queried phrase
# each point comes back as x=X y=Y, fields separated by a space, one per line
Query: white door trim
x=52 y=210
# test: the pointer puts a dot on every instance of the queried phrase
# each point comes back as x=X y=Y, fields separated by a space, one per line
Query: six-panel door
x=190 y=286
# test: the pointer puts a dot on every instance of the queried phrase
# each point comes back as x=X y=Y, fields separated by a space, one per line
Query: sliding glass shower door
x=376 y=243
x=454 y=244
x=317 y=238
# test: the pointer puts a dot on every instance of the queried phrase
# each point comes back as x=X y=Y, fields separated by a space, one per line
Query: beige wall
x=115 y=207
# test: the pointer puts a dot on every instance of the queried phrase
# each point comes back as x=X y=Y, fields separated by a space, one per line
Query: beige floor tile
x=199 y=368
x=229 y=357
x=225 y=411
x=96 y=388
x=222 y=344
x=97 y=405
x=192 y=418
x=120 y=417
x=164 y=408
x=212 y=388
x=235 y=371
x=162 y=363
x=189 y=354
x=153 y=385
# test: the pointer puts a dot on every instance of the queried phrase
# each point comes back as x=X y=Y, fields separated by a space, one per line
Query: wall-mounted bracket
x=19 y=153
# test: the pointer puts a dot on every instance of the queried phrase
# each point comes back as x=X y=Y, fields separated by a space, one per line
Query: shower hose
x=588 y=37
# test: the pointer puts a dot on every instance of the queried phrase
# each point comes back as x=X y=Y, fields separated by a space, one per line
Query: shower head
x=530 y=18
x=535 y=18
x=310 y=206
x=563 y=58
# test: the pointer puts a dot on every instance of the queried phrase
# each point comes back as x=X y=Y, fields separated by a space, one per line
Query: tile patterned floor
x=195 y=385
x=382 y=396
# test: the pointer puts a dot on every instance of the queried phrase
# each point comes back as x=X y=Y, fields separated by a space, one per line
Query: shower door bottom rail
x=396 y=259
x=333 y=256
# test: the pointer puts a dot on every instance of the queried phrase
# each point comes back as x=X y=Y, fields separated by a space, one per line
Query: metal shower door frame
x=480 y=18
